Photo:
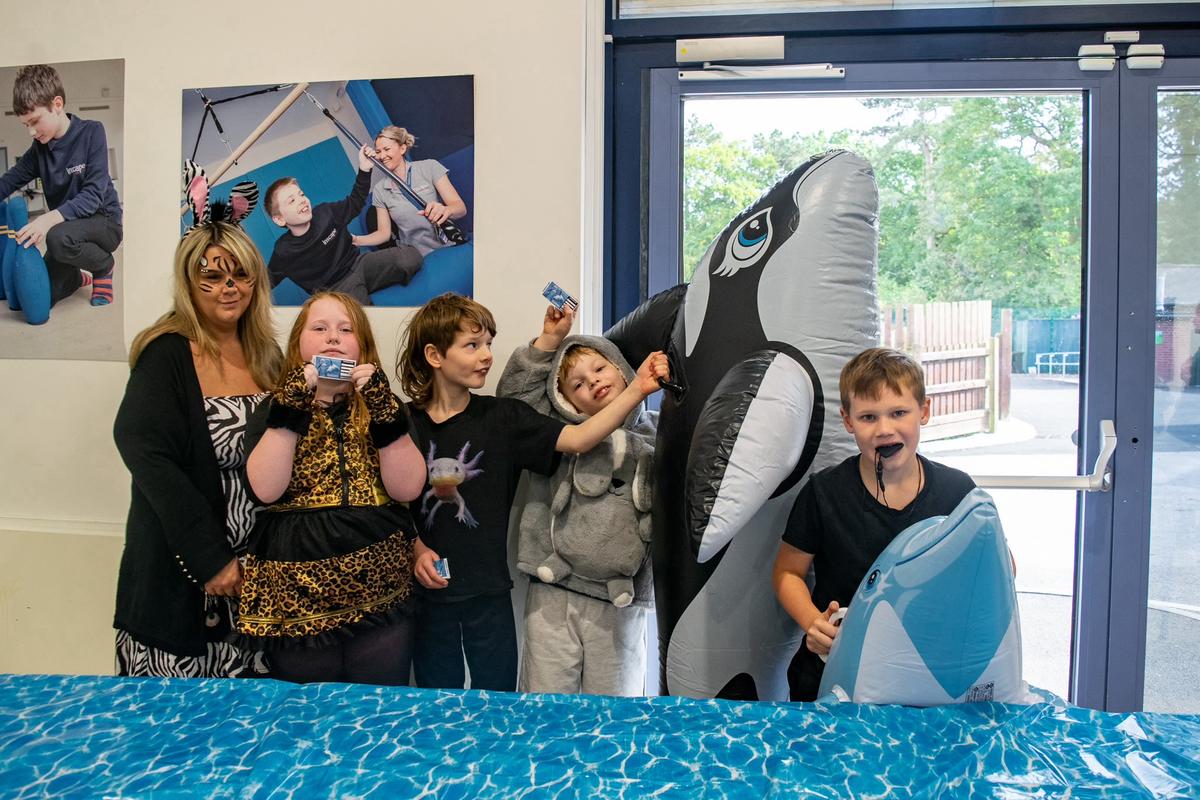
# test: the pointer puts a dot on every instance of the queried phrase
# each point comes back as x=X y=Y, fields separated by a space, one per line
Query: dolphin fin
x=753 y=440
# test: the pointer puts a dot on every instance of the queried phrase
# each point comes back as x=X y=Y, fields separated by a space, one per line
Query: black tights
x=380 y=656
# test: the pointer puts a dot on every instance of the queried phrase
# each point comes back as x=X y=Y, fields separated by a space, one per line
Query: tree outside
x=1179 y=178
x=980 y=196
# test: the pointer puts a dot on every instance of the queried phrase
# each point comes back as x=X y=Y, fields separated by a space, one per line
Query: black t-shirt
x=845 y=528
x=477 y=457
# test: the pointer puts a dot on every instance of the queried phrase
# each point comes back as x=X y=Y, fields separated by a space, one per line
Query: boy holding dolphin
x=847 y=514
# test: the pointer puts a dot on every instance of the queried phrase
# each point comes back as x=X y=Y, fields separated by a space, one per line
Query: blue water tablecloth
x=118 y=737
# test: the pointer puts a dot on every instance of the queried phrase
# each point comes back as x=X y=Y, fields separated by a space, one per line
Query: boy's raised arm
x=346 y=210
x=555 y=327
x=583 y=437
x=527 y=369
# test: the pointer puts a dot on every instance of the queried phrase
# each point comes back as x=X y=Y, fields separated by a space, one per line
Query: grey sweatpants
x=379 y=269
x=575 y=643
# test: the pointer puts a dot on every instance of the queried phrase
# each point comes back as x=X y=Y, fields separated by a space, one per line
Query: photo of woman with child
x=346 y=206
x=414 y=230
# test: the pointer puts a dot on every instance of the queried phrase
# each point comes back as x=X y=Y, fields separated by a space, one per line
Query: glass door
x=1161 y=364
x=995 y=237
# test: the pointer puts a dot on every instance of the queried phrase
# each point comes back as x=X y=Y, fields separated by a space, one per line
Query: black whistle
x=889 y=450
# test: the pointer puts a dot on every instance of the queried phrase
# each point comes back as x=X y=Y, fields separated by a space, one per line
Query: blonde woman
x=196 y=376
x=414 y=229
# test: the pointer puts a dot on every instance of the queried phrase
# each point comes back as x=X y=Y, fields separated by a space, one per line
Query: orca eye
x=752 y=237
x=746 y=245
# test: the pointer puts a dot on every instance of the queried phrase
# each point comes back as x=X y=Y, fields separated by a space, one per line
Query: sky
x=742 y=117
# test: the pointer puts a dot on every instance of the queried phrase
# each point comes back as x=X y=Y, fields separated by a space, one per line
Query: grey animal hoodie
x=587 y=527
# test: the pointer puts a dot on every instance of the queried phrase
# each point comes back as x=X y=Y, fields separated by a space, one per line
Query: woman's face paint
x=222 y=290
x=218 y=268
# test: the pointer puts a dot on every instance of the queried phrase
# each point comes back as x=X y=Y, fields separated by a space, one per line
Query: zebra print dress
x=227 y=418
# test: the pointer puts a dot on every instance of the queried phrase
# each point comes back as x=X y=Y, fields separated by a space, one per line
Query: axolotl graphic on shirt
x=445 y=476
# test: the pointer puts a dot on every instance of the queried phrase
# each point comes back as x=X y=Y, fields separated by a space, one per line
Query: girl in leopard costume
x=329 y=572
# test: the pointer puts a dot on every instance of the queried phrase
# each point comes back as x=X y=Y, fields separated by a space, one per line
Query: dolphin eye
x=874 y=576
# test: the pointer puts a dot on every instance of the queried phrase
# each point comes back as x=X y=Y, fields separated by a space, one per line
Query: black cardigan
x=175 y=537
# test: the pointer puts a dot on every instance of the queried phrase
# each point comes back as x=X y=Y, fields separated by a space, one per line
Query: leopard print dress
x=335 y=553
x=227 y=417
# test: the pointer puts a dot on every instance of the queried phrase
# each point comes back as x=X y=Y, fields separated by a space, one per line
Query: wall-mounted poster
x=61 y=220
x=364 y=186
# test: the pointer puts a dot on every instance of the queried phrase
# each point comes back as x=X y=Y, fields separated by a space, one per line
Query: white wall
x=63 y=489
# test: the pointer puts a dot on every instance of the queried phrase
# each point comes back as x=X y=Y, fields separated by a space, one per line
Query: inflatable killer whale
x=780 y=301
x=935 y=619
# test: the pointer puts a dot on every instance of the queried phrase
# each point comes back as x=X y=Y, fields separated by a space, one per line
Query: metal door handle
x=1100 y=479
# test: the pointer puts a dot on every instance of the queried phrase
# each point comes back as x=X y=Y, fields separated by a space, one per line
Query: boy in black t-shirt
x=317 y=250
x=475 y=448
x=847 y=514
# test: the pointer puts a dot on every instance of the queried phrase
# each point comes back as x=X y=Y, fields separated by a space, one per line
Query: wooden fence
x=966 y=368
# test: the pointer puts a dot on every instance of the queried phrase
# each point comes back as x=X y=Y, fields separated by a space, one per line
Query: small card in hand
x=442 y=565
x=559 y=298
x=334 y=369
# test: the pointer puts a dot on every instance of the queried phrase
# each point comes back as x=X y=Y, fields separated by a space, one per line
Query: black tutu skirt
x=312 y=575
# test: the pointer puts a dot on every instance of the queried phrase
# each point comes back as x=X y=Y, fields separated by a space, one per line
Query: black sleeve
x=256 y=426
x=805 y=528
x=346 y=210
x=533 y=438
x=276 y=269
x=151 y=432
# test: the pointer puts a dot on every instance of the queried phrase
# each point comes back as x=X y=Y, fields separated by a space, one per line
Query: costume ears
x=195 y=186
x=243 y=198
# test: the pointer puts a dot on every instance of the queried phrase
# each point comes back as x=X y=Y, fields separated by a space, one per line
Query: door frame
x=1099 y=669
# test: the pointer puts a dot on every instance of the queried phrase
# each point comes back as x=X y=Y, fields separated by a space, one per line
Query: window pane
x=1173 y=618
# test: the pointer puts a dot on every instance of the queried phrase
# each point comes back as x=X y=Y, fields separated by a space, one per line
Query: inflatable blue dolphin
x=780 y=301
x=935 y=619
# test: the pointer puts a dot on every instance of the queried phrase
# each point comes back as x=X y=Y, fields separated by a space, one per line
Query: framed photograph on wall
x=53 y=306
x=365 y=186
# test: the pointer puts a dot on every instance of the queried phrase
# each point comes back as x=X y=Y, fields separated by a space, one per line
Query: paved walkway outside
x=1040 y=526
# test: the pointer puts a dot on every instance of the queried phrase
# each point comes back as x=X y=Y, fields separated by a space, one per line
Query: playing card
x=559 y=298
x=334 y=369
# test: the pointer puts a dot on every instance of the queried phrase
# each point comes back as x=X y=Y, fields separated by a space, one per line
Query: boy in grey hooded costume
x=584 y=535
